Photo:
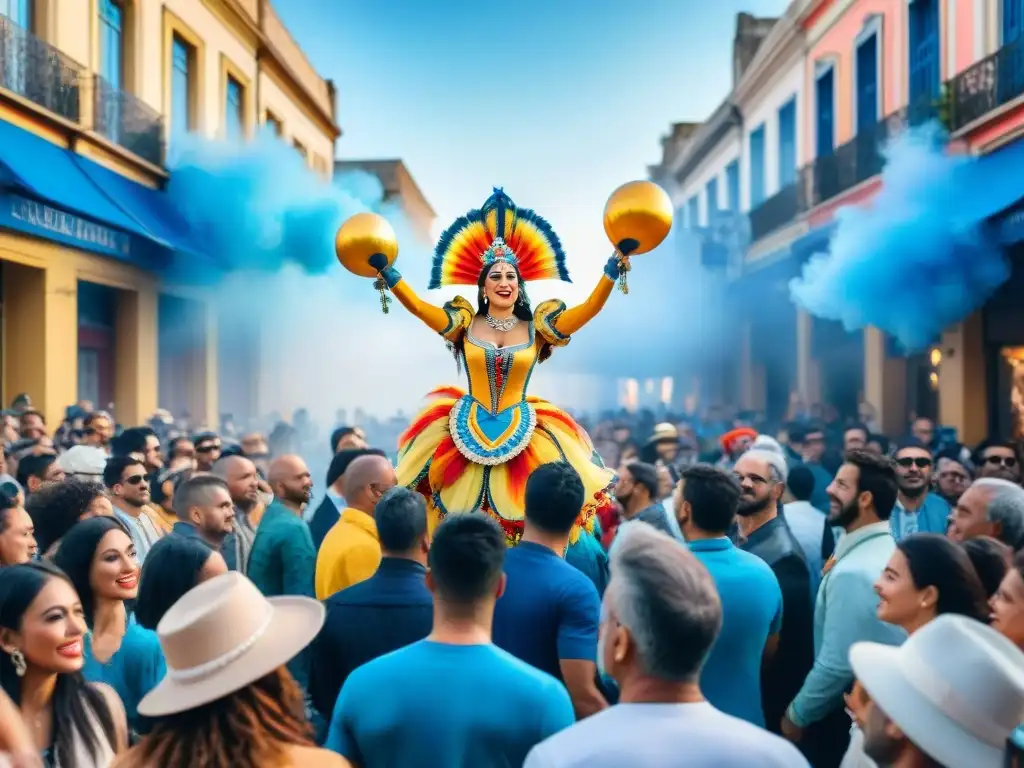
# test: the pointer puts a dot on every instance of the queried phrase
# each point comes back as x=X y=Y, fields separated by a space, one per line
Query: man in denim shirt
x=863 y=495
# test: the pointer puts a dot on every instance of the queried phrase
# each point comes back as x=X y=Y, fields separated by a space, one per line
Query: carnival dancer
x=473 y=451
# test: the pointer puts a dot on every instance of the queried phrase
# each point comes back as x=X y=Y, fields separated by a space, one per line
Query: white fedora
x=223 y=635
x=955 y=688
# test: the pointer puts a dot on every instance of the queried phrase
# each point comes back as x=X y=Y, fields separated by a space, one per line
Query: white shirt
x=664 y=736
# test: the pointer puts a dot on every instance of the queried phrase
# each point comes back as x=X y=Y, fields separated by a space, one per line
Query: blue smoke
x=917 y=258
x=256 y=207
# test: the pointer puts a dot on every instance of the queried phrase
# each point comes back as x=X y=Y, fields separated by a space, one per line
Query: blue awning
x=54 y=193
x=152 y=210
x=44 y=171
x=996 y=181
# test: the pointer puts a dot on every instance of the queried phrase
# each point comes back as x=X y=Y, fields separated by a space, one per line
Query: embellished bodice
x=499 y=376
x=495 y=420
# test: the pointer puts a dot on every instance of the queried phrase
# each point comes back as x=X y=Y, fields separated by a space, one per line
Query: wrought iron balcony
x=854 y=162
x=987 y=85
x=37 y=71
x=778 y=210
x=128 y=121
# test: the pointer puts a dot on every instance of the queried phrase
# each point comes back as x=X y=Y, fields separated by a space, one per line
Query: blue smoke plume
x=256 y=207
x=915 y=260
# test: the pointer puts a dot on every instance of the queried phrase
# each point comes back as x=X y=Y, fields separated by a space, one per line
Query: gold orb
x=637 y=217
x=359 y=238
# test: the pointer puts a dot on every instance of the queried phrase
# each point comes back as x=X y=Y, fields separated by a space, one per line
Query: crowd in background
x=172 y=595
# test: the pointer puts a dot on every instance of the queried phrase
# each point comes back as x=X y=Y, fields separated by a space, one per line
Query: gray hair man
x=990 y=507
x=661 y=616
x=762 y=477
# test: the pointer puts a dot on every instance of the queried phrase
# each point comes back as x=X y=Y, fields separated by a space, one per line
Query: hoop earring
x=18 y=660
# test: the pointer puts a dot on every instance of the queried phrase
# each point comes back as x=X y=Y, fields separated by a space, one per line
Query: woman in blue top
x=99 y=558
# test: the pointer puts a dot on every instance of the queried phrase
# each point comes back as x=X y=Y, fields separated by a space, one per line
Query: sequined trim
x=469 y=439
x=546 y=317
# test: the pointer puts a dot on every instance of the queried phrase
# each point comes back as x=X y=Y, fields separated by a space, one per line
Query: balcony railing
x=778 y=210
x=37 y=71
x=128 y=121
x=987 y=85
x=856 y=161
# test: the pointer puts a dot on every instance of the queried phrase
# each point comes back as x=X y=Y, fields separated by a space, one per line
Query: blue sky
x=558 y=101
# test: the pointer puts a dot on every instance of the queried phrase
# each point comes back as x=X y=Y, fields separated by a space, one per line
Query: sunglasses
x=1005 y=461
x=207 y=448
x=134 y=480
x=920 y=462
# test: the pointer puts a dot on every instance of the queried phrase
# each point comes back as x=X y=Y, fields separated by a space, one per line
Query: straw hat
x=665 y=432
x=223 y=635
x=955 y=688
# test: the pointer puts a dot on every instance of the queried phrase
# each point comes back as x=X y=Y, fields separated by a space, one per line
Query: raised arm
x=449 y=321
x=556 y=323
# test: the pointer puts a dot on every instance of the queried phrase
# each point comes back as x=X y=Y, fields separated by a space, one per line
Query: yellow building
x=89 y=98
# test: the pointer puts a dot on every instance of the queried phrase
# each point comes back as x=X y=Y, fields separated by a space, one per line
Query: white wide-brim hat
x=224 y=635
x=960 y=709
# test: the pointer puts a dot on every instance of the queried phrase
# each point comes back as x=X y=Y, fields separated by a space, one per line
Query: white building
x=770 y=97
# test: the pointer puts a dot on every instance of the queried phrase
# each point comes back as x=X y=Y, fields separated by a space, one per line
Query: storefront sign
x=42 y=220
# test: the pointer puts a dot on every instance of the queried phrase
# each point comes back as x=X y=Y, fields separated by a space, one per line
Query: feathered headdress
x=498 y=231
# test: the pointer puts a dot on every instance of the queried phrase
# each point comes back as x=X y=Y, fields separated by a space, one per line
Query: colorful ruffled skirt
x=432 y=459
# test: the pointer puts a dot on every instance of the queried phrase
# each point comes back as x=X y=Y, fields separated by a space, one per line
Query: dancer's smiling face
x=501 y=286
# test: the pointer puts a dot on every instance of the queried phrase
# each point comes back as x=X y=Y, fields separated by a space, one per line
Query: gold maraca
x=361 y=237
x=637 y=218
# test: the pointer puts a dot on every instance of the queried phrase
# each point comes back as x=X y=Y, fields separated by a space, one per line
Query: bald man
x=283 y=558
x=350 y=552
x=243 y=484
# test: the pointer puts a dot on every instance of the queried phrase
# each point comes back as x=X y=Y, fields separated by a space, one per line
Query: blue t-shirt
x=556 y=602
x=435 y=705
x=751 y=611
x=133 y=671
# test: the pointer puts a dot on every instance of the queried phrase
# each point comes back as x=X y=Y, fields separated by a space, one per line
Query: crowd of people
x=820 y=596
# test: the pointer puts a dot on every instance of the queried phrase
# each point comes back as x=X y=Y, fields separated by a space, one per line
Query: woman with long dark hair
x=174 y=565
x=99 y=558
x=42 y=630
x=929 y=575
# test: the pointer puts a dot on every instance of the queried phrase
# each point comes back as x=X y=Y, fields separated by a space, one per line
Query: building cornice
x=783 y=47
x=711 y=133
